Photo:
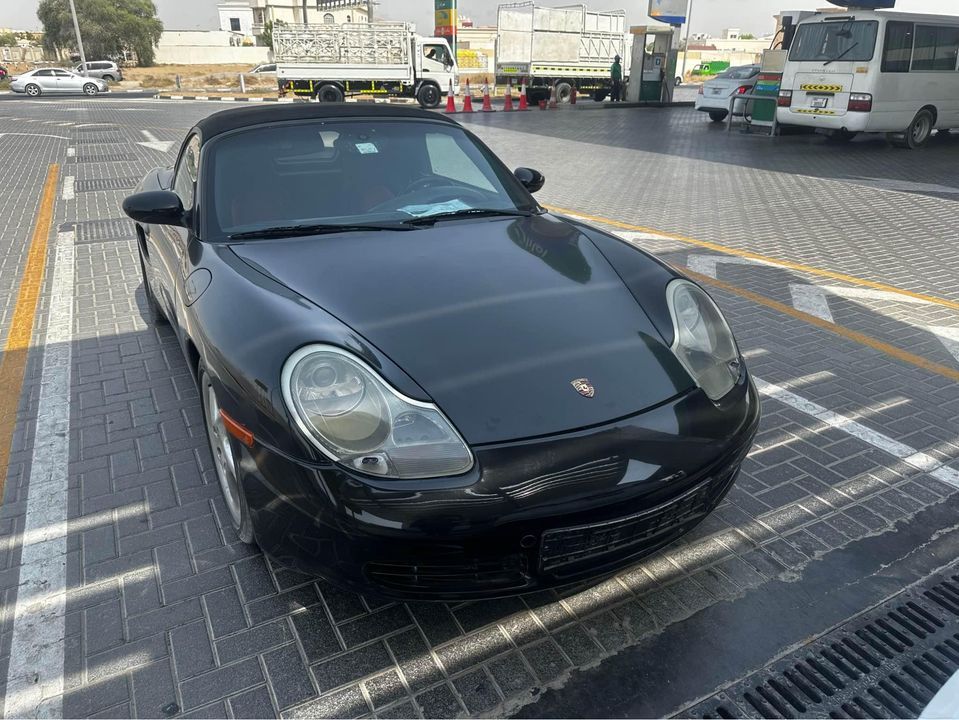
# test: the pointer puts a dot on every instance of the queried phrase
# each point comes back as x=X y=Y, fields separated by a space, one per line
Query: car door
x=46 y=80
x=67 y=82
x=168 y=246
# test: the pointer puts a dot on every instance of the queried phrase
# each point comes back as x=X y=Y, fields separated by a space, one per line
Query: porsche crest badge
x=584 y=387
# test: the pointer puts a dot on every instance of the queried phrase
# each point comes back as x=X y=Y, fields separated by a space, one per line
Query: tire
x=920 y=130
x=842 y=135
x=329 y=93
x=717 y=116
x=600 y=95
x=33 y=90
x=155 y=314
x=224 y=460
x=429 y=96
x=679 y=81
x=90 y=89
x=562 y=92
x=109 y=78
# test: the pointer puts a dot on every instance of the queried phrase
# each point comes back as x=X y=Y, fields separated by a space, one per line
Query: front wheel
x=717 y=116
x=679 y=81
x=329 y=94
x=428 y=96
x=224 y=460
x=600 y=95
x=33 y=90
x=90 y=89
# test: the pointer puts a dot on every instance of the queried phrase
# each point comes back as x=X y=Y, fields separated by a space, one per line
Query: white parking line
x=910 y=456
x=69 y=188
x=35 y=675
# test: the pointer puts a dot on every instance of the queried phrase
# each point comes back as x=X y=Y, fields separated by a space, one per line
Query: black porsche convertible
x=415 y=380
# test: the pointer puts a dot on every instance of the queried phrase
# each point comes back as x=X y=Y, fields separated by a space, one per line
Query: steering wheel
x=425 y=182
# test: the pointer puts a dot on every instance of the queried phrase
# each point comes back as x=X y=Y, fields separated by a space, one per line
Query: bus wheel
x=329 y=94
x=918 y=133
x=428 y=96
x=842 y=135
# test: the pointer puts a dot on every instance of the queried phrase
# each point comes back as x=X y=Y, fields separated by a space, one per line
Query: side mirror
x=155 y=207
x=532 y=180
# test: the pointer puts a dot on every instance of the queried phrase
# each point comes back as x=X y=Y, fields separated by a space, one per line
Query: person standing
x=616 y=75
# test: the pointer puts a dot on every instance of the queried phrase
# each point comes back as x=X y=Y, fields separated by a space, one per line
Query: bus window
x=830 y=41
x=897 y=53
x=936 y=48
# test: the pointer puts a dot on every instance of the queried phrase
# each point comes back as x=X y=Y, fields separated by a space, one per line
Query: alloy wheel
x=223 y=459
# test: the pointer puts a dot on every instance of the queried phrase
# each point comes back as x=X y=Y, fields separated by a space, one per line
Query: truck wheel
x=329 y=93
x=562 y=92
x=428 y=96
x=600 y=95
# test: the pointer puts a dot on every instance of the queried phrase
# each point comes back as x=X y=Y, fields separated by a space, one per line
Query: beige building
x=316 y=11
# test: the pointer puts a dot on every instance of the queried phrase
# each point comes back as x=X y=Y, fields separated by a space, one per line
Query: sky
x=710 y=16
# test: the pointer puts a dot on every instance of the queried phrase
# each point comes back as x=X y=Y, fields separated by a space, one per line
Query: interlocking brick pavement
x=166 y=607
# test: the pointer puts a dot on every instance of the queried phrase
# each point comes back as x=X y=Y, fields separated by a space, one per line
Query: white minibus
x=879 y=72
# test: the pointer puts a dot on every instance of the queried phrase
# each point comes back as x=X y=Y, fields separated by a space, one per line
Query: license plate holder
x=819 y=102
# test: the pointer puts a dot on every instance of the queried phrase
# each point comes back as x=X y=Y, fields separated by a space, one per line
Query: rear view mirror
x=155 y=207
x=532 y=180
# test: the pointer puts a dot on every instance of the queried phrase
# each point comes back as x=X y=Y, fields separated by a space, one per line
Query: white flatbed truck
x=329 y=62
x=560 y=48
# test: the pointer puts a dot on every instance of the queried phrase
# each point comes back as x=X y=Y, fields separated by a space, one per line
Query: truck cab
x=433 y=63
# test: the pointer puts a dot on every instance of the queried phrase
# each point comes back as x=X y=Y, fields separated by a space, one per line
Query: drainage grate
x=97 y=129
x=118 y=157
x=94 y=231
x=123 y=183
x=888 y=663
x=97 y=140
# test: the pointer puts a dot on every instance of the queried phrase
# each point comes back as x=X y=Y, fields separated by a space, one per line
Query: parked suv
x=105 y=70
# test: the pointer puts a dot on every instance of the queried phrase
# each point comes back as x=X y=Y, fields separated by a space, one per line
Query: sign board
x=446 y=21
x=672 y=12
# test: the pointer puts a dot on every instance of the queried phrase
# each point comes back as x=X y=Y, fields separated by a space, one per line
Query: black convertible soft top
x=234 y=118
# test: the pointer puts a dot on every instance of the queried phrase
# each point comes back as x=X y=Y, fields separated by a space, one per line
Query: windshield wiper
x=841 y=55
x=297 y=230
x=467 y=212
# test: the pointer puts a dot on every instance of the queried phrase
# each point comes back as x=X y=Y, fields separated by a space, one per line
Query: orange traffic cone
x=487 y=101
x=450 y=101
x=508 y=103
x=552 y=99
x=468 y=99
x=523 y=103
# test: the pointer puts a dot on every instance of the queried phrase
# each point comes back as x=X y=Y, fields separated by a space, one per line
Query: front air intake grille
x=506 y=574
x=888 y=663
x=570 y=546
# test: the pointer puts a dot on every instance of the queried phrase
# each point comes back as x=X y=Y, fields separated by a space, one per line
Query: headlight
x=355 y=418
x=703 y=342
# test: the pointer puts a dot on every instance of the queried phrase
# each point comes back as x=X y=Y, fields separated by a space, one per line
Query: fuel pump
x=653 y=68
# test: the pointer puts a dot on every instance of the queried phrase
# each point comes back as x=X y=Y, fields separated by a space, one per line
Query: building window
x=349 y=19
x=258 y=18
x=329 y=19
x=235 y=24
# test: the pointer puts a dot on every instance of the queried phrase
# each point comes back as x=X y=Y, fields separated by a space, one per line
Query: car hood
x=494 y=319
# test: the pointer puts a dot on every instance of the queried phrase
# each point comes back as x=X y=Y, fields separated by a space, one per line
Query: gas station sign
x=445 y=21
x=672 y=12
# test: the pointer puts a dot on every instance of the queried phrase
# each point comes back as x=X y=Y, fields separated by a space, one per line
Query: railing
x=746 y=97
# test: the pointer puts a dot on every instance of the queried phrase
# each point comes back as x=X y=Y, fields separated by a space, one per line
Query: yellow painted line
x=20 y=335
x=763 y=258
x=858 y=337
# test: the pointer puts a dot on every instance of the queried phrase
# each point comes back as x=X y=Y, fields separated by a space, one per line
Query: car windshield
x=853 y=41
x=351 y=172
x=743 y=72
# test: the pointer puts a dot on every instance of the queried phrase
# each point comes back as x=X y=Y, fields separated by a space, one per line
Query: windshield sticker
x=426 y=210
x=366 y=148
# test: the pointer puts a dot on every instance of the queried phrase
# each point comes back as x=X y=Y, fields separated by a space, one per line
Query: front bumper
x=533 y=514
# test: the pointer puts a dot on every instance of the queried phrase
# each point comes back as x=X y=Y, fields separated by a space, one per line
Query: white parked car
x=715 y=95
x=56 y=81
x=265 y=69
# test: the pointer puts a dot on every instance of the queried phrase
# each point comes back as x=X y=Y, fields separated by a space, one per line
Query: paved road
x=835 y=265
x=8 y=96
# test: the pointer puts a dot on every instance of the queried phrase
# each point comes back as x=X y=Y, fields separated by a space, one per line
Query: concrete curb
x=241 y=98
